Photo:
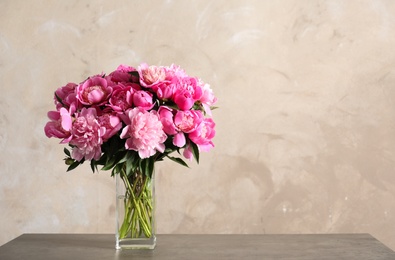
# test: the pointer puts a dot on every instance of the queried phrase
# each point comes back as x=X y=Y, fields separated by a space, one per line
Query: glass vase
x=135 y=211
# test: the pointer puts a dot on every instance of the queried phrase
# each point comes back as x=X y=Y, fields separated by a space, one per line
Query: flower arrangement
x=128 y=120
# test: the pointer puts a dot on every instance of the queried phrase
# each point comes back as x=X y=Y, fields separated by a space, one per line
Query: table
x=101 y=246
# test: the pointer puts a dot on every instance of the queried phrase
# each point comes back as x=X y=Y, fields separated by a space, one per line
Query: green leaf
x=197 y=106
x=125 y=157
x=94 y=166
x=109 y=164
x=73 y=165
x=117 y=169
x=102 y=160
x=147 y=166
x=134 y=73
x=195 y=151
x=172 y=105
x=178 y=160
x=131 y=163
x=67 y=152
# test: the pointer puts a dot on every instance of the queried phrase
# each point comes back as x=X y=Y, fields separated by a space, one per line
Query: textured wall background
x=305 y=131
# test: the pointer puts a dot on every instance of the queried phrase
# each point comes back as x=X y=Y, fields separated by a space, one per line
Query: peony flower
x=122 y=74
x=54 y=127
x=87 y=135
x=167 y=118
x=143 y=99
x=203 y=135
x=111 y=123
x=184 y=99
x=188 y=91
x=174 y=72
x=122 y=97
x=60 y=124
x=164 y=90
x=208 y=99
x=180 y=123
x=66 y=95
x=151 y=75
x=94 y=91
x=187 y=153
x=144 y=132
x=208 y=95
x=186 y=122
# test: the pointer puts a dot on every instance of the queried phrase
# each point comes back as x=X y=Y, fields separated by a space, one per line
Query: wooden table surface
x=102 y=246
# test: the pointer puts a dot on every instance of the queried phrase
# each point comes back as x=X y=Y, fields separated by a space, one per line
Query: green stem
x=138 y=207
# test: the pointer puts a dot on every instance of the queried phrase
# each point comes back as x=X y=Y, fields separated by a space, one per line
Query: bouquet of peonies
x=129 y=119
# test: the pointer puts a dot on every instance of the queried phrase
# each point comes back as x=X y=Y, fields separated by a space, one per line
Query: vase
x=135 y=211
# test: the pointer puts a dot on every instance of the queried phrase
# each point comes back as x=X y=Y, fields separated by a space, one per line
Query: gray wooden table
x=101 y=246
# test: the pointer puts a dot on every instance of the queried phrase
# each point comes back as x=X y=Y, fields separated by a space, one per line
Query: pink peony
x=188 y=91
x=203 y=135
x=111 y=123
x=164 y=90
x=151 y=75
x=94 y=91
x=188 y=152
x=67 y=96
x=54 y=127
x=167 y=118
x=208 y=99
x=175 y=72
x=122 y=74
x=143 y=99
x=180 y=123
x=186 y=122
x=60 y=124
x=184 y=99
x=87 y=135
x=144 y=132
x=122 y=97
x=208 y=95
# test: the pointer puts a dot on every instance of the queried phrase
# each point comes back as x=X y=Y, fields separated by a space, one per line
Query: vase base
x=136 y=243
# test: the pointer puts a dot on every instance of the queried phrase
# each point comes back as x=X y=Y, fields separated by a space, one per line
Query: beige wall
x=305 y=131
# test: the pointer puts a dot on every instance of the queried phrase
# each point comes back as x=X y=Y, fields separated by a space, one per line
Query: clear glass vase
x=135 y=211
